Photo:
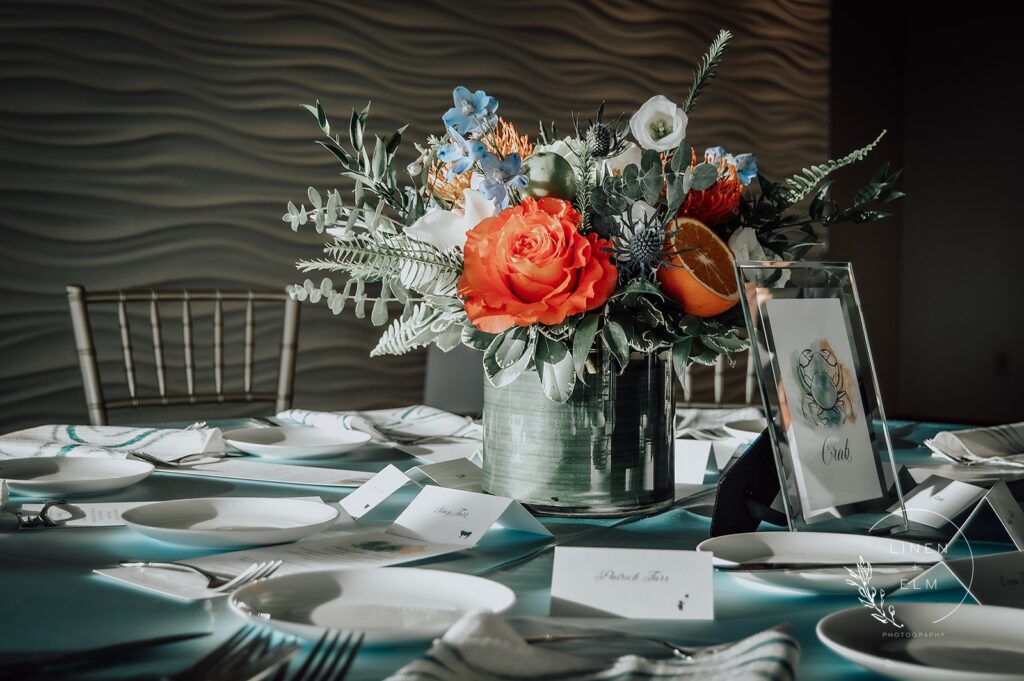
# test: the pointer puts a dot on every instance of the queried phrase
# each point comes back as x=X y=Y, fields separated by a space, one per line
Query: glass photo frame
x=817 y=380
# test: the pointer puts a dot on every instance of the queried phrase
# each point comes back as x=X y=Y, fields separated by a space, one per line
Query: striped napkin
x=386 y=425
x=167 y=444
x=995 y=445
x=483 y=647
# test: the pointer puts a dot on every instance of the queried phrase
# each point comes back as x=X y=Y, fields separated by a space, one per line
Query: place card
x=998 y=502
x=452 y=516
x=937 y=501
x=691 y=461
x=991 y=580
x=374 y=491
x=456 y=474
x=233 y=467
x=634 y=583
x=364 y=549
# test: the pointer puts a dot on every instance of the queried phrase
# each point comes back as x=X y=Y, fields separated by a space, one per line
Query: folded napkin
x=994 y=445
x=117 y=442
x=696 y=419
x=482 y=647
x=419 y=421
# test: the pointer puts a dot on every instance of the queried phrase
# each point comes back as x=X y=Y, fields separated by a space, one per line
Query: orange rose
x=529 y=264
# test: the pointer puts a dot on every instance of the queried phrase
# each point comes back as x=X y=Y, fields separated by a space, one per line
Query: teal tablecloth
x=50 y=600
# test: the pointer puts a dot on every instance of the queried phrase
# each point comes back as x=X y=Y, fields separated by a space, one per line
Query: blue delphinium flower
x=472 y=110
x=499 y=176
x=462 y=151
x=746 y=168
x=714 y=154
x=745 y=164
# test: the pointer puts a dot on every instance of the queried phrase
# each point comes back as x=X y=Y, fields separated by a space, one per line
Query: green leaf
x=321 y=116
x=681 y=356
x=651 y=180
x=681 y=157
x=617 y=341
x=395 y=140
x=704 y=72
x=676 y=194
x=631 y=181
x=704 y=175
x=343 y=156
x=555 y=368
x=380 y=160
x=724 y=344
x=635 y=288
x=475 y=338
x=355 y=131
x=510 y=346
x=582 y=342
x=500 y=377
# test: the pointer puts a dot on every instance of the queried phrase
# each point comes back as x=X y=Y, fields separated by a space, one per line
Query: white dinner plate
x=747 y=429
x=230 y=522
x=58 y=476
x=819 y=547
x=936 y=643
x=391 y=605
x=295 y=443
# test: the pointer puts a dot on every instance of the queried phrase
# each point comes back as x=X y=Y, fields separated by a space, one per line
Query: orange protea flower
x=505 y=140
x=718 y=203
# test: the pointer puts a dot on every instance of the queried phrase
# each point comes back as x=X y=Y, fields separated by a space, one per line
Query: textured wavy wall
x=156 y=143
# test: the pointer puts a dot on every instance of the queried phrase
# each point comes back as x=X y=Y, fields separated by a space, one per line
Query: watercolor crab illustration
x=824 y=401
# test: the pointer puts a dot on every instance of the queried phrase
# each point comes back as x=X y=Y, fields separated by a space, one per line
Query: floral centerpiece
x=584 y=267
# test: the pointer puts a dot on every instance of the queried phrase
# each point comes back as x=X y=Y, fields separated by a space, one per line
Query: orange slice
x=701 y=276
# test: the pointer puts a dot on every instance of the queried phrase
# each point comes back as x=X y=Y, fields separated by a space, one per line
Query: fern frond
x=703 y=74
x=408 y=333
x=382 y=255
x=800 y=186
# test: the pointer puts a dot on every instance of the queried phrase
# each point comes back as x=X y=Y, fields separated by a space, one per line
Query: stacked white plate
x=52 y=476
x=295 y=443
x=391 y=605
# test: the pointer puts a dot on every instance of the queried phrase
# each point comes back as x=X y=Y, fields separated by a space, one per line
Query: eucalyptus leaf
x=704 y=175
x=555 y=368
x=651 y=180
x=582 y=342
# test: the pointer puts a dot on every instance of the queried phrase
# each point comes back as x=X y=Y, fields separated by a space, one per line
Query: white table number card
x=829 y=437
x=633 y=583
x=452 y=516
x=826 y=424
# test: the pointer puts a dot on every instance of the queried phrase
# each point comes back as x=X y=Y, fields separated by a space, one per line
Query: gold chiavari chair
x=80 y=301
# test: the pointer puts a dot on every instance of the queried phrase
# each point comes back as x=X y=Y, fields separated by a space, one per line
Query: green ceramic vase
x=606 y=452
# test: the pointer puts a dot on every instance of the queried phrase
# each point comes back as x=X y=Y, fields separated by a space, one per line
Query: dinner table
x=52 y=600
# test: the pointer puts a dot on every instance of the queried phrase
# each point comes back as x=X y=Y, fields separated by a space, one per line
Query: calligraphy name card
x=633 y=583
x=453 y=516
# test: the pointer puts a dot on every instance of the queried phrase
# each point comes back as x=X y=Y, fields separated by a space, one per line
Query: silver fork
x=246 y=654
x=215 y=582
x=683 y=652
x=330 y=659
